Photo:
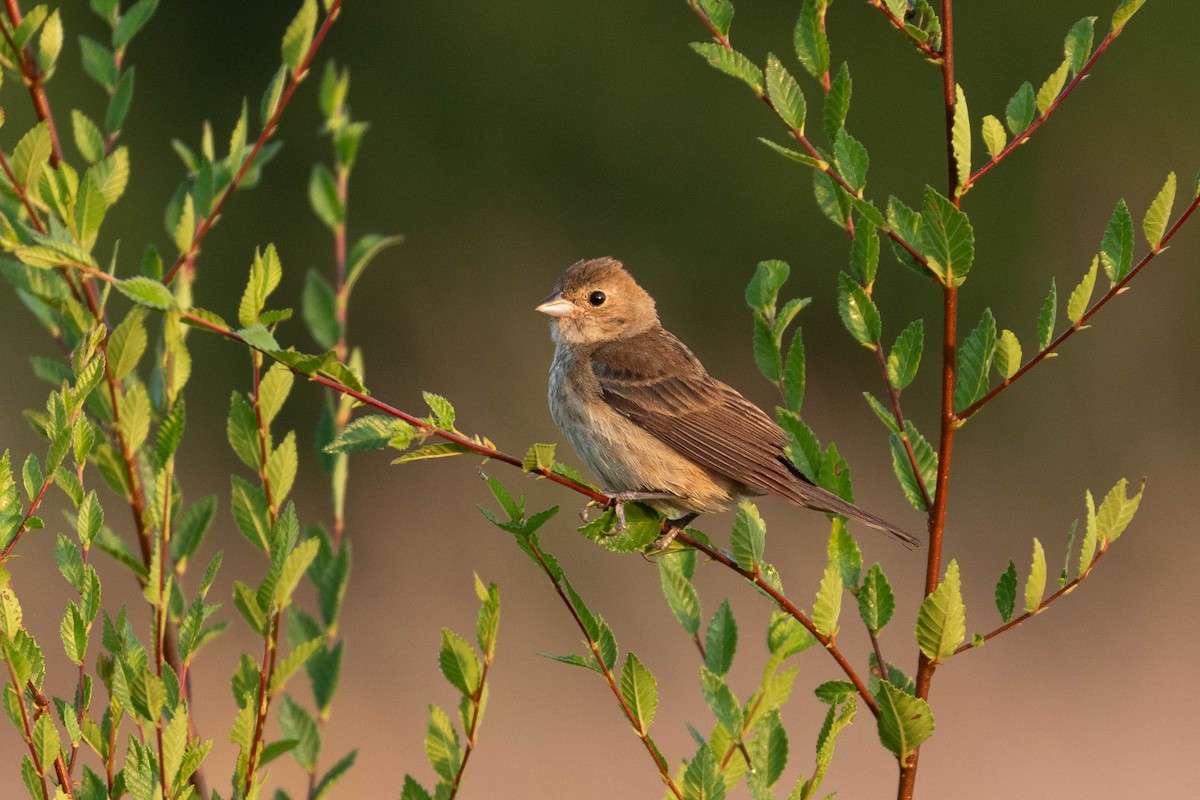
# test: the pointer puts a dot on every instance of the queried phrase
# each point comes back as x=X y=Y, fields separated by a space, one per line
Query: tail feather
x=805 y=493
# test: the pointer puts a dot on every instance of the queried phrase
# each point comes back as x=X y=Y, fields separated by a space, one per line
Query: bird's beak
x=556 y=305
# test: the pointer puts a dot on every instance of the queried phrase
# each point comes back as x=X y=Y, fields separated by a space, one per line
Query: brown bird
x=646 y=417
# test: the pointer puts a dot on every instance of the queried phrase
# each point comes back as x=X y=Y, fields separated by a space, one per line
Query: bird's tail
x=804 y=492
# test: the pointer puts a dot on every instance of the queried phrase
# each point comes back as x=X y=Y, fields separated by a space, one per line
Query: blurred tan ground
x=506 y=147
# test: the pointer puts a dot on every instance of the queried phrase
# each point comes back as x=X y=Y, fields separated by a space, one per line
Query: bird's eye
x=596 y=298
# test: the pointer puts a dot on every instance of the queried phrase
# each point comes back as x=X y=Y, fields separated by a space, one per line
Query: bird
x=641 y=411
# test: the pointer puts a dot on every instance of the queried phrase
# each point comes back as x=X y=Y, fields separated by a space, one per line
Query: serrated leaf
x=135 y=416
x=749 y=536
x=1116 y=511
x=721 y=640
x=762 y=293
x=1022 y=108
x=975 y=362
x=851 y=159
x=837 y=102
x=858 y=311
x=831 y=199
x=702 y=780
x=679 y=592
x=811 y=43
x=132 y=20
x=323 y=196
x=721 y=701
x=948 y=238
x=1081 y=295
x=118 y=104
x=800 y=158
x=89 y=140
x=319 y=308
x=876 y=602
x=994 y=137
x=293 y=569
x=843 y=551
x=1116 y=247
x=941 y=622
x=793 y=374
x=147 y=292
x=766 y=350
x=1006 y=592
x=265 y=274
x=828 y=605
x=905 y=356
x=1124 y=11
x=960 y=137
x=363 y=252
x=732 y=63
x=1045 y=320
x=1154 y=225
x=459 y=663
x=904 y=721
x=1049 y=90
x=1078 y=45
x=639 y=690
x=126 y=344
x=30 y=157
x=98 y=63
x=299 y=35
x=1008 y=354
x=1035 y=585
x=885 y=414
x=784 y=94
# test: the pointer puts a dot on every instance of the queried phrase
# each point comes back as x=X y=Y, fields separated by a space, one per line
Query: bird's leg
x=674 y=526
x=619 y=499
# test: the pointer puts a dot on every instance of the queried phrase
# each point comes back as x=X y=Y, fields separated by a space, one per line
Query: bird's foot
x=617 y=501
x=674 y=526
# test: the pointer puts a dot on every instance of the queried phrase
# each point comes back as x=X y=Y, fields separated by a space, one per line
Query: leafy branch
x=32 y=76
x=895 y=11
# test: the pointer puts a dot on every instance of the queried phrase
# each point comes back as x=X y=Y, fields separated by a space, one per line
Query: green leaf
x=1021 y=109
x=1116 y=247
x=835 y=692
x=885 y=414
x=639 y=690
x=1008 y=354
x=864 y=254
x=459 y=663
x=538 y=457
x=1091 y=536
x=99 y=63
x=319 y=307
x=413 y=790
x=843 y=551
x=762 y=293
x=273 y=390
x=721 y=640
x=975 y=362
x=112 y=176
x=837 y=102
x=702 y=780
x=298 y=725
x=1045 y=320
x=46 y=742
x=297 y=658
x=994 y=137
x=89 y=210
x=833 y=201
x=850 y=157
x=904 y=721
x=720 y=14
x=265 y=274
x=941 y=622
x=118 y=104
x=876 y=602
x=1006 y=592
x=678 y=590
x=131 y=21
x=1116 y=512
x=293 y=569
x=905 y=356
x=766 y=350
x=299 y=35
x=89 y=140
x=135 y=416
x=1124 y=11
x=30 y=156
x=363 y=252
x=241 y=429
x=811 y=43
x=960 y=137
x=857 y=311
x=927 y=460
x=721 y=701
x=784 y=94
x=1078 y=45
x=1154 y=225
x=793 y=374
x=948 y=239
x=127 y=343
x=323 y=196
x=749 y=536
x=1080 y=296
x=732 y=63
x=1049 y=90
x=787 y=152
x=828 y=604
x=50 y=44
x=147 y=292
x=1035 y=586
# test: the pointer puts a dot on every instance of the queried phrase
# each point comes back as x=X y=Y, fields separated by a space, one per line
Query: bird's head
x=598 y=301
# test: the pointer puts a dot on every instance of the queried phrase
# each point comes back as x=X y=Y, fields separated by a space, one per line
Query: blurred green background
x=509 y=140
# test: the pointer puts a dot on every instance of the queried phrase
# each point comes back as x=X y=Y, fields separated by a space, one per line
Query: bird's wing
x=656 y=382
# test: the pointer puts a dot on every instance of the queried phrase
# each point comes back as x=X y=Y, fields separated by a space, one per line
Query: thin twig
x=33 y=78
x=204 y=224
x=898 y=414
x=898 y=24
x=1117 y=288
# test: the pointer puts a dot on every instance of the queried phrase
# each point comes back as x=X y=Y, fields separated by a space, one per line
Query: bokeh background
x=509 y=140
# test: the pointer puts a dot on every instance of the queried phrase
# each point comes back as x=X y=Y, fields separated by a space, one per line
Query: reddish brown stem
x=898 y=415
x=204 y=225
x=1116 y=289
x=898 y=24
x=664 y=768
x=1066 y=589
x=33 y=78
x=1022 y=137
